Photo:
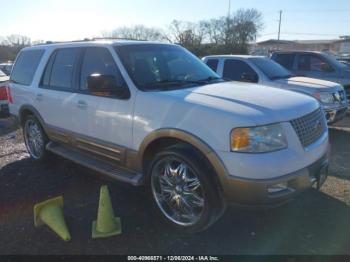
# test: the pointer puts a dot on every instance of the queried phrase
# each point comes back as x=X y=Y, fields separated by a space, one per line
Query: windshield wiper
x=281 y=77
x=166 y=84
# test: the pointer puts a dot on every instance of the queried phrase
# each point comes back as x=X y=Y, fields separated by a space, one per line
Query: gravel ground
x=315 y=223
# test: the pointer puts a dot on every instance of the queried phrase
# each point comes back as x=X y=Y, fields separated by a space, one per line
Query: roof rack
x=116 y=38
x=90 y=39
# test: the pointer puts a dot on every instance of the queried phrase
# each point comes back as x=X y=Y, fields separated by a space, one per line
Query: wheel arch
x=162 y=138
x=26 y=110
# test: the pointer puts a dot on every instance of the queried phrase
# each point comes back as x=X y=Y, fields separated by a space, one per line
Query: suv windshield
x=271 y=69
x=2 y=73
x=331 y=58
x=160 y=67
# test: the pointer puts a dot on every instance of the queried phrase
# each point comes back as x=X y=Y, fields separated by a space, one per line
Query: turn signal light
x=240 y=138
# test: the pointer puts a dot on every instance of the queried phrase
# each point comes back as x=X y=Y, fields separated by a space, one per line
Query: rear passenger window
x=213 y=64
x=98 y=60
x=62 y=68
x=25 y=66
x=286 y=60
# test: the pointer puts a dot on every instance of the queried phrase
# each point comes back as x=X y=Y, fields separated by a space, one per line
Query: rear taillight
x=3 y=93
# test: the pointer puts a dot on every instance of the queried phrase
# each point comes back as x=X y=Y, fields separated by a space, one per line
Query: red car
x=4 y=111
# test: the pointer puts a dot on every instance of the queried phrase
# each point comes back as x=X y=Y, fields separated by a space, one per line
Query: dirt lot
x=315 y=223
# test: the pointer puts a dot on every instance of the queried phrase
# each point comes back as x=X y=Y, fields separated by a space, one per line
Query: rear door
x=101 y=120
x=57 y=90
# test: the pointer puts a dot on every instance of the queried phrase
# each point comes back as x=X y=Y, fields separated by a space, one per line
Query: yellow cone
x=106 y=224
x=50 y=212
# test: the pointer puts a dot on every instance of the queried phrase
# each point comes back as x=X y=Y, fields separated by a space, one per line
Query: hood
x=346 y=72
x=4 y=78
x=254 y=103
x=312 y=84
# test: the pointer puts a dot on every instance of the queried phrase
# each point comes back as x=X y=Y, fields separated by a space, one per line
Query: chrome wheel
x=178 y=191
x=34 y=139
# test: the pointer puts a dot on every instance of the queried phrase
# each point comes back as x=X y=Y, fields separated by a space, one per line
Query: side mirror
x=326 y=68
x=248 y=77
x=106 y=85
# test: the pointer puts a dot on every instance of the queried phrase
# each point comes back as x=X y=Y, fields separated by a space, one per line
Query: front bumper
x=336 y=114
x=262 y=193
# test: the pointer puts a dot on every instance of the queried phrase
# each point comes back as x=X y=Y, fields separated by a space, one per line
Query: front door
x=102 y=123
x=315 y=66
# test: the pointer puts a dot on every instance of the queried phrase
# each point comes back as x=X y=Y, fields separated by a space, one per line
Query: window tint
x=286 y=60
x=236 y=70
x=63 y=67
x=313 y=63
x=26 y=65
x=213 y=64
x=98 y=60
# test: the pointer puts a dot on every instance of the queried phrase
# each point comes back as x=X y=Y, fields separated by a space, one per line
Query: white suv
x=154 y=114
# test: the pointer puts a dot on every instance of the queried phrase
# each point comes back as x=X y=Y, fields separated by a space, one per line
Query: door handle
x=39 y=97
x=82 y=104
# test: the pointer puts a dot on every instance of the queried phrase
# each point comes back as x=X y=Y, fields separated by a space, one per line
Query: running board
x=101 y=166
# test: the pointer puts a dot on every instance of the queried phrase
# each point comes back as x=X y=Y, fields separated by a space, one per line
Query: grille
x=310 y=128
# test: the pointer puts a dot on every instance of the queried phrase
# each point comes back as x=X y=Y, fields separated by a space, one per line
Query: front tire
x=183 y=189
x=35 y=139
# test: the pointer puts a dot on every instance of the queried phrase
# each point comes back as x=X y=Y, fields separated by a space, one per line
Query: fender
x=191 y=139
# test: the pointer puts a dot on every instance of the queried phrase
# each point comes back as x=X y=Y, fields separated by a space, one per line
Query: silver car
x=264 y=71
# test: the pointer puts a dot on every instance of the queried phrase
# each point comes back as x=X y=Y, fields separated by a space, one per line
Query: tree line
x=223 y=35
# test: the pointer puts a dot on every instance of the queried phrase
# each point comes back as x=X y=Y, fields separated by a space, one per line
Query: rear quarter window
x=25 y=66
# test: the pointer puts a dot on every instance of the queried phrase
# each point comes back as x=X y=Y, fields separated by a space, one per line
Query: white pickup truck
x=154 y=114
x=264 y=71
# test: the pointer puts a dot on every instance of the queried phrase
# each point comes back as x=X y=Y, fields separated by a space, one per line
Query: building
x=337 y=46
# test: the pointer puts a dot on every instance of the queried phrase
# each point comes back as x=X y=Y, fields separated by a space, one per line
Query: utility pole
x=279 y=26
x=229 y=9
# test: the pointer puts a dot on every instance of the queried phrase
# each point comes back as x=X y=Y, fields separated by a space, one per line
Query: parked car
x=344 y=62
x=264 y=71
x=154 y=114
x=4 y=110
x=6 y=68
x=316 y=65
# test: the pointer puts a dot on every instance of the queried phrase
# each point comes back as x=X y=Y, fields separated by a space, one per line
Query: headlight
x=324 y=97
x=259 y=139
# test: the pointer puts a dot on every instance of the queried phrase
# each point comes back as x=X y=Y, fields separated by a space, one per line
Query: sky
x=63 y=20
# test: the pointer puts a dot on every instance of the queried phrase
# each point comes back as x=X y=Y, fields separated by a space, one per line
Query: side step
x=101 y=166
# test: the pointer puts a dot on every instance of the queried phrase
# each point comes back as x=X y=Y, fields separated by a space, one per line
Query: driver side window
x=98 y=60
x=237 y=70
x=313 y=63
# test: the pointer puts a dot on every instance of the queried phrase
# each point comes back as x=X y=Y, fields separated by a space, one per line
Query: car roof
x=55 y=45
x=234 y=56
x=297 y=52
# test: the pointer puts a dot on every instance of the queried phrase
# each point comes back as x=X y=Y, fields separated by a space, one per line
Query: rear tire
x=183 y=189
x=35 y=139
